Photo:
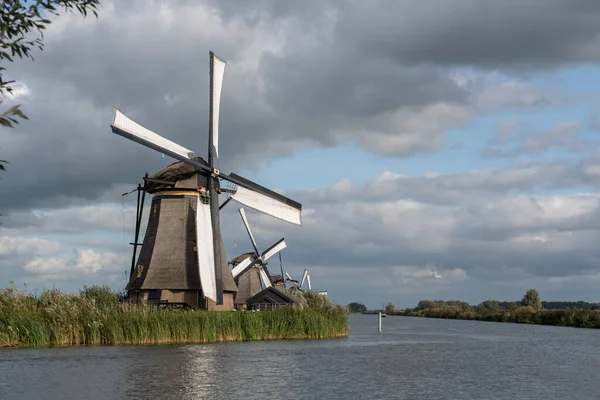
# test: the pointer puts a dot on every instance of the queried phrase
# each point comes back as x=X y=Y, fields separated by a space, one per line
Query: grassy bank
x=96 y=317
x=521 y=315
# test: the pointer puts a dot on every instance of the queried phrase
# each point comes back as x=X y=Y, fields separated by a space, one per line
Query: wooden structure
x=269 y=299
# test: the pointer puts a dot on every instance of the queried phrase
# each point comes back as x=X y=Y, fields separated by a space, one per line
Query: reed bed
x=97 y=317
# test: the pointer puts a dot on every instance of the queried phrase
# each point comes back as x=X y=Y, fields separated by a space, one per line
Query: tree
x=357 y=307
x=17 y=20
x=532 y=299
x=488 y=305
x=389 y=308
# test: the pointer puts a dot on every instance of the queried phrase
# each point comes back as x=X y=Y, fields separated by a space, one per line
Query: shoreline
x=167 y=343
x=572 y=318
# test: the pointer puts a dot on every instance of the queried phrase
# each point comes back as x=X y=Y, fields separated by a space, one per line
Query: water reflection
x=201 y=371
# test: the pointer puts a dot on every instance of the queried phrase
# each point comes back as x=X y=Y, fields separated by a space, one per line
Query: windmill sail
x=267 y=202
x=257 y=259
x=205 y=250
x=264 y=278
x=240 y=189
x=247 y=226
x=271 y=251
x=128 y=128
x=249 y=262
x=217 y=68
x=304 y=275
x=241 y=267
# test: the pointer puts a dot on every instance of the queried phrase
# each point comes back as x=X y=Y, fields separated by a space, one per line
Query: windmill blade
x=304 y=274
x=281 y=267
x=266 y=280
x=240 y=189
x=247 y=226
x=128 y=128
x=308 y=281
x=241 y=267
x=217 y=73
x=290 y=278
x=255 y=196
x=249 y=263
x=271 y=251
x=206 y=257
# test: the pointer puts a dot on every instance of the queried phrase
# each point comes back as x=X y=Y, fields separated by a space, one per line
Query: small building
x=269 y=299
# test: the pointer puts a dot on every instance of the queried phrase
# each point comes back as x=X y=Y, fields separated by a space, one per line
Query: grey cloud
x=290 y=82
x=508 y=34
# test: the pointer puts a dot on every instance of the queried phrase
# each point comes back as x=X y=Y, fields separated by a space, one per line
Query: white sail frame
x=218 y=75
x=267 y=205
x=205 y=250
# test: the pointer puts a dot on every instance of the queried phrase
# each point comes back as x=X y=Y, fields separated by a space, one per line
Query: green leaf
x=5 y=122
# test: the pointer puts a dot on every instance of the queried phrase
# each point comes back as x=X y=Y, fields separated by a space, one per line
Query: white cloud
x=26 y=246
x=84 y=262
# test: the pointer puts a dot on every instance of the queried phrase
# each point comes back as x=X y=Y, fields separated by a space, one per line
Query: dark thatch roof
x=270 y=295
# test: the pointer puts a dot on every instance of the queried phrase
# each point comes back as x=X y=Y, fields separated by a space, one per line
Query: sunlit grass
x=96 y=317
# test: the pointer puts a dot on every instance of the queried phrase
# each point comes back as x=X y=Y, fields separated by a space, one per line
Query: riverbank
x=96 y=317
x=520 y=315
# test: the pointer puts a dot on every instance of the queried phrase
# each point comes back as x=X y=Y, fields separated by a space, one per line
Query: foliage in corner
x=18 y=19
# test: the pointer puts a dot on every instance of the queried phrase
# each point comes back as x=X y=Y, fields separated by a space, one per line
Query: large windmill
x=182 y=258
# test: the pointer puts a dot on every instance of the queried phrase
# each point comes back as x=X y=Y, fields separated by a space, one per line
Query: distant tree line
x=530 y=310
x=530 y=299
x=357 y=307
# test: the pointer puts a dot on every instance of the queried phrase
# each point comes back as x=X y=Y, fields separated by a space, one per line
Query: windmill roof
x=177 y=172
x=235 y=261
x=270 y=295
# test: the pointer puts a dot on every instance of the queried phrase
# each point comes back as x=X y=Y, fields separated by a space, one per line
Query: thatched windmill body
x=182 y=258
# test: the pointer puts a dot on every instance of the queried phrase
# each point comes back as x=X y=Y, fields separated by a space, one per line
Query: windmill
x=174 y=263
x=305 y=278
x=285 y=277
x=249 y=265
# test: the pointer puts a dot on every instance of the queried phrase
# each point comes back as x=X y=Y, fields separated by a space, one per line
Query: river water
x=412 y=358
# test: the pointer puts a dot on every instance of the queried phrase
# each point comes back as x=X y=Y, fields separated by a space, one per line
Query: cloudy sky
x=444 y=149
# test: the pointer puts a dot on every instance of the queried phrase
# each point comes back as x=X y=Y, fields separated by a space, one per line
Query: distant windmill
x=285 y=277
x=305 y=278
x=182 y=258
x=251 y=267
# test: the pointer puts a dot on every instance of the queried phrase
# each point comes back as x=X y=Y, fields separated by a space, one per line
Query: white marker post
x=379 y=323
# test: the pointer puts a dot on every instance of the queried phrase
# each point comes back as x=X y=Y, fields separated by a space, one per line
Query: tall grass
x=96 y=317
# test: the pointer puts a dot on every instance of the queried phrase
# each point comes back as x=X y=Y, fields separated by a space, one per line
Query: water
x=411 y=359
